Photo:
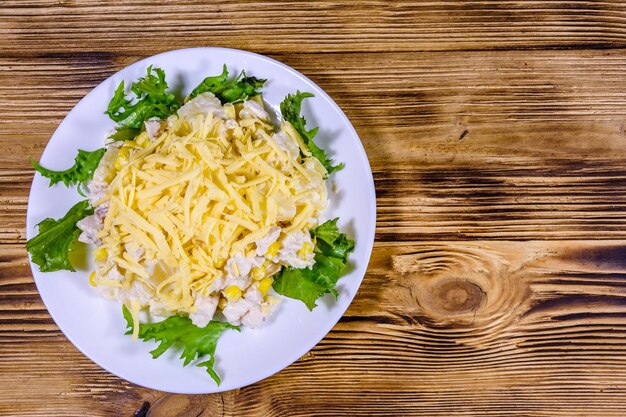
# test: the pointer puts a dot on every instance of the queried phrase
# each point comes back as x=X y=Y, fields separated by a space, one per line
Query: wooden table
x=496 y=131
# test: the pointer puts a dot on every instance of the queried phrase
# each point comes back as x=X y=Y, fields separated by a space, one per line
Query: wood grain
x=496 y=134
x=141 y=27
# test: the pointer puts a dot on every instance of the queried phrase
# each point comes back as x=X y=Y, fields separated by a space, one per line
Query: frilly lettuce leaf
x=151 y=100
x=51 y=247
x=84 y=166
x=290 y=109
x=229 y=91
x=179 y=331
x=331 y=255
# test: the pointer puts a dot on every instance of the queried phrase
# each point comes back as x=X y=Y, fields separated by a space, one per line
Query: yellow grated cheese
x=203 y=191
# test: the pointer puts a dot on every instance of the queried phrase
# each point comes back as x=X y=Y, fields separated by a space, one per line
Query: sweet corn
x=272 y=250
x=92 y=278
x=122 y=158
x=219 y=262
x=232 y=293
x=143 y=140
x=100 y=254
x=222 y=303
x=304 y=250
x=265 y=285
x=258 y=273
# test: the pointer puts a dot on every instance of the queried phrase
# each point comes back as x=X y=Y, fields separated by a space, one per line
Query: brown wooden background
x=496 y=131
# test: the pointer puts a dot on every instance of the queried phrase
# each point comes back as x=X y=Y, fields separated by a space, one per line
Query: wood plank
x=410 y=91
x=438 y=328
x=144 y=28
x=478 y=152
x=495 y=130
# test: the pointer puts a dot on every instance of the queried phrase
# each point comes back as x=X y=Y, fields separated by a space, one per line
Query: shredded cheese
x=204 y=191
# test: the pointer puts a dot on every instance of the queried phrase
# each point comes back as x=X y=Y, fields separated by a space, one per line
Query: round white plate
x=95 y=325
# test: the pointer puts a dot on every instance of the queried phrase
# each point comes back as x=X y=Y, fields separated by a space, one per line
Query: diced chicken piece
x=217 y=284
x=158 y=310
x=139 y=292
x=252 y=109
x=286 y=208
x=202 y=104
x=264 y=243
x=153 y=128
x=134 y=250
x=231 y=124
x=259 y=311
x=97 y=190
x=297 y=250
x=233 y=312
x=109 y=292
x=205 y=309
x=115 y=275
x=251 y=310
x=90 y=227
x=238 y=270
x=287 y=144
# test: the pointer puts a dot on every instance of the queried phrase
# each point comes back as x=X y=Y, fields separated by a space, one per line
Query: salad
x=200 y=212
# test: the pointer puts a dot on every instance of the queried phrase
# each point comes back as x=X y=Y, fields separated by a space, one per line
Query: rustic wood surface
x=496 y=131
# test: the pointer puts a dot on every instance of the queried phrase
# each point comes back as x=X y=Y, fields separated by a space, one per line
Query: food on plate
x=200 y=212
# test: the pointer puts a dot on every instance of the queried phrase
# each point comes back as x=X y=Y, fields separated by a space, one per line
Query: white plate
x=95 y=325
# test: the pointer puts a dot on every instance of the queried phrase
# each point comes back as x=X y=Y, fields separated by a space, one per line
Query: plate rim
x=368 y=239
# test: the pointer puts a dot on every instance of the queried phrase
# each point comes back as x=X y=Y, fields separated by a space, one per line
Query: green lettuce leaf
x=327 y=231
x=151 y=100
x=290 y=109
x=124 y=133
x=51 y=247
x=85 y=164
x=331 y=255
x=229 y=91
x=178 y=331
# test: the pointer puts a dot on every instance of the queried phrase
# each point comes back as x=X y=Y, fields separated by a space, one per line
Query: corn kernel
x=100 y=254
x=265 y=285
x=92 y=278
x=219 y=262
x=272 y=250
x=109 y=176
x=304 y=250
x=122 y=158
x=222 y=303
x=232 y=293
x=258 y=273
x=124 y=152
x=119 y=164
x=143 y=140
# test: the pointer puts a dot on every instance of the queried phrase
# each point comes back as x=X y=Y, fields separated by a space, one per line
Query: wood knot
x=457 y=286
x=457 y=295
x=180 y=405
